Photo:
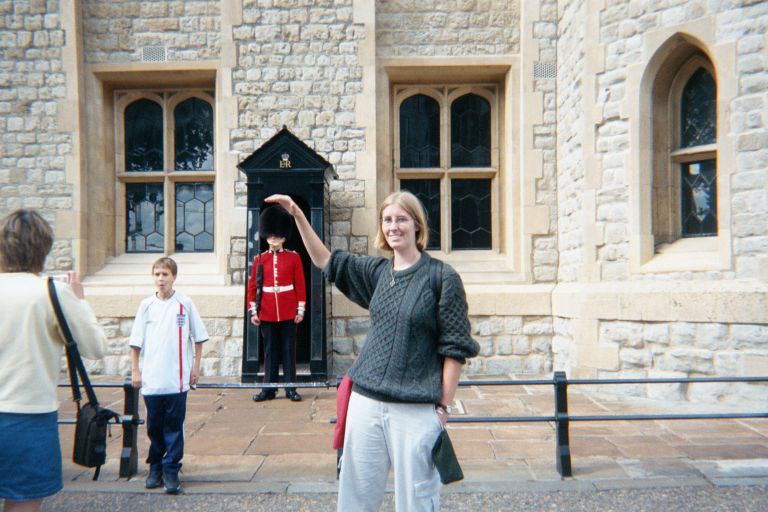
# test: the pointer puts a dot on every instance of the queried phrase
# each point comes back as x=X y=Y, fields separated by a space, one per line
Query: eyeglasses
x=400 y=220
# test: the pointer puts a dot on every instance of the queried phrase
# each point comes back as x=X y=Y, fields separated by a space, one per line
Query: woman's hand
x=442 y=414
x=283 y=200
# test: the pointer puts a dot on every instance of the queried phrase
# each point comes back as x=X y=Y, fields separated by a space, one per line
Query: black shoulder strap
x=436 y=278
x=74 y=361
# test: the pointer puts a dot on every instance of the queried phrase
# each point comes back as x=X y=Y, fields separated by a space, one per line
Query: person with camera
x=30 y=356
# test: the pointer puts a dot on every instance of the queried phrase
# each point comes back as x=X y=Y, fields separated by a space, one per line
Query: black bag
x=445 y=459
x=90 y=449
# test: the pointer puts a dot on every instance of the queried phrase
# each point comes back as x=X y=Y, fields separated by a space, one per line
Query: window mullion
x=168 y=185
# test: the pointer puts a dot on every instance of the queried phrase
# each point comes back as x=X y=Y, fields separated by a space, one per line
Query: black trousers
x=165 y=428
x=279 y=348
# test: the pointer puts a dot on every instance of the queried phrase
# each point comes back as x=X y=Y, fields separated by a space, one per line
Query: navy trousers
x=279 y=347
x=165 y=428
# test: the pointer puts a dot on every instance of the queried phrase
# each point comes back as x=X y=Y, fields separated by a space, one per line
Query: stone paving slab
x=234 y=445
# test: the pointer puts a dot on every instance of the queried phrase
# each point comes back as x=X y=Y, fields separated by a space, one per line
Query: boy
x=166 y=327
x=280 y=303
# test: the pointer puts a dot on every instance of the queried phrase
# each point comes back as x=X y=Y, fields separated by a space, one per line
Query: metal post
x=129 y=457
x=563 y=450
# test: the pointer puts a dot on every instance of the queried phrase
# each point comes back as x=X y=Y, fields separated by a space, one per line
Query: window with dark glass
x=699 y=198
x=470 y=132
x=698 y=179
x=194 y=217
x=419 y=132
x=698 y=110
x=145 y=217
x=143 y=136
x=193 y=135
x=146 y=122
x=471 y=213
x=428 y=192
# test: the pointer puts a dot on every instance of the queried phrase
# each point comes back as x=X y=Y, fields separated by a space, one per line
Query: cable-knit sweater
x=402 y=358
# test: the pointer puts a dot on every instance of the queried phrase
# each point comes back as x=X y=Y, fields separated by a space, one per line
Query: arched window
x=143 y=136
x=453 y=172
x=174 y=193
x=419 y=132
x=698 y=178
x=193 y=135
x=684 y=184
x=470 y=132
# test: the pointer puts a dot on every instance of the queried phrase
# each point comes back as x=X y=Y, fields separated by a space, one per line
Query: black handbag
x=90 y=447
x=445 y=459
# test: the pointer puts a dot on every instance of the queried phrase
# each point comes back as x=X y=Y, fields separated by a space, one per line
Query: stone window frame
x=445 y=94
x=665 y=52
x=168 y=99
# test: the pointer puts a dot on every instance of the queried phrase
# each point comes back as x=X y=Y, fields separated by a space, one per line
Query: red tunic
x=281 y=269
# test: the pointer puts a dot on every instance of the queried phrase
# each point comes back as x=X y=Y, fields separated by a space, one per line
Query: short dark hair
x=167 y=263
x=25 y=241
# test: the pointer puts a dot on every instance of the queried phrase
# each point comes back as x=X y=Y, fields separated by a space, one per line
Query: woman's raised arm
x=318 y=252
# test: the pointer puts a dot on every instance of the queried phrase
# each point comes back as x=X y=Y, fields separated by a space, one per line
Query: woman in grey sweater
x=406 y=375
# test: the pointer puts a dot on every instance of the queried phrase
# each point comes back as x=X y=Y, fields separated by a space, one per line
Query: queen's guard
x=277 y=300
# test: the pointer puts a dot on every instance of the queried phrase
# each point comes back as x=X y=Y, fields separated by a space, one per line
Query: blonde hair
x=411 y=204
x=166 y=263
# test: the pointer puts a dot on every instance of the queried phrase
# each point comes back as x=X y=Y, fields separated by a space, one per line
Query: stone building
x=597 y=171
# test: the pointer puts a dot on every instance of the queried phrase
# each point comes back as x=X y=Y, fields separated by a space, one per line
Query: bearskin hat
x=275 y=220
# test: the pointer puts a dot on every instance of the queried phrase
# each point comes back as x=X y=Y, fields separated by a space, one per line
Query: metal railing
x=562 y=419
x=130 y=419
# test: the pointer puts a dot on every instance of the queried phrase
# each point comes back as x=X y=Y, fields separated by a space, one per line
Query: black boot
x=155 y=478
x=264 y=395
x=172 y=483
x=293 y=395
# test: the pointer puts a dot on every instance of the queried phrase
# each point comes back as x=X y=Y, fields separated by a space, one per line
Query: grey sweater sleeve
x=355 y=276
x=455 y=339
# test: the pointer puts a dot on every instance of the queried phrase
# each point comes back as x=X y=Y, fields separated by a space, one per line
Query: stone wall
x=687 y=349
x=34 y=146
x=623 y=26
x=545 y=257
x=298 y=65
x=508 y=344
x=222 y=353
x=570 y=125
x=189 y=30
x=447 y=27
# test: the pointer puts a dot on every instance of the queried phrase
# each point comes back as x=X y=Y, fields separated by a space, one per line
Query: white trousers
x=380 y=435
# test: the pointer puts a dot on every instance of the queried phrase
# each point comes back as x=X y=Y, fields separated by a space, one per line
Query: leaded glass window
x=143 y=136
x=182 y=122
x=194 y=217
x=699 y=198
x=445 y=143
x=193 y=135
x=471 y=132
x=428 y=192
x=698 y=110
x=145 y=217
x=419 y=132
x=471 y=213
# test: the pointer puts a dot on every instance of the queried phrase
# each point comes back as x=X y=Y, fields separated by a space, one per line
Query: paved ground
x=243 y=455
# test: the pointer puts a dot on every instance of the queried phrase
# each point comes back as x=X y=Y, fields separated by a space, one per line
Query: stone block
x=712 y=336
x=343 y=346
x=537 y=326
x=745 y=336
x=636 y=358
x=688 y=360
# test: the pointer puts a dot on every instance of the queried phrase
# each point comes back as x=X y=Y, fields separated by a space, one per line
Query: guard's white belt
x=278 y=289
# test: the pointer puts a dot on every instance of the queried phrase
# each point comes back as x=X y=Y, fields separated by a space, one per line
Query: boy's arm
x=135 y=371
x=196 y=368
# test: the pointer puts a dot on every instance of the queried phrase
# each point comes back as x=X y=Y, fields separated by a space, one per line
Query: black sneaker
x=172 y=483
x=264 y=395
x=293 y=395
x=155 y=478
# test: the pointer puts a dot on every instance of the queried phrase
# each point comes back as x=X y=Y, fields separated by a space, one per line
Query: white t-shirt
x=165 y=331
